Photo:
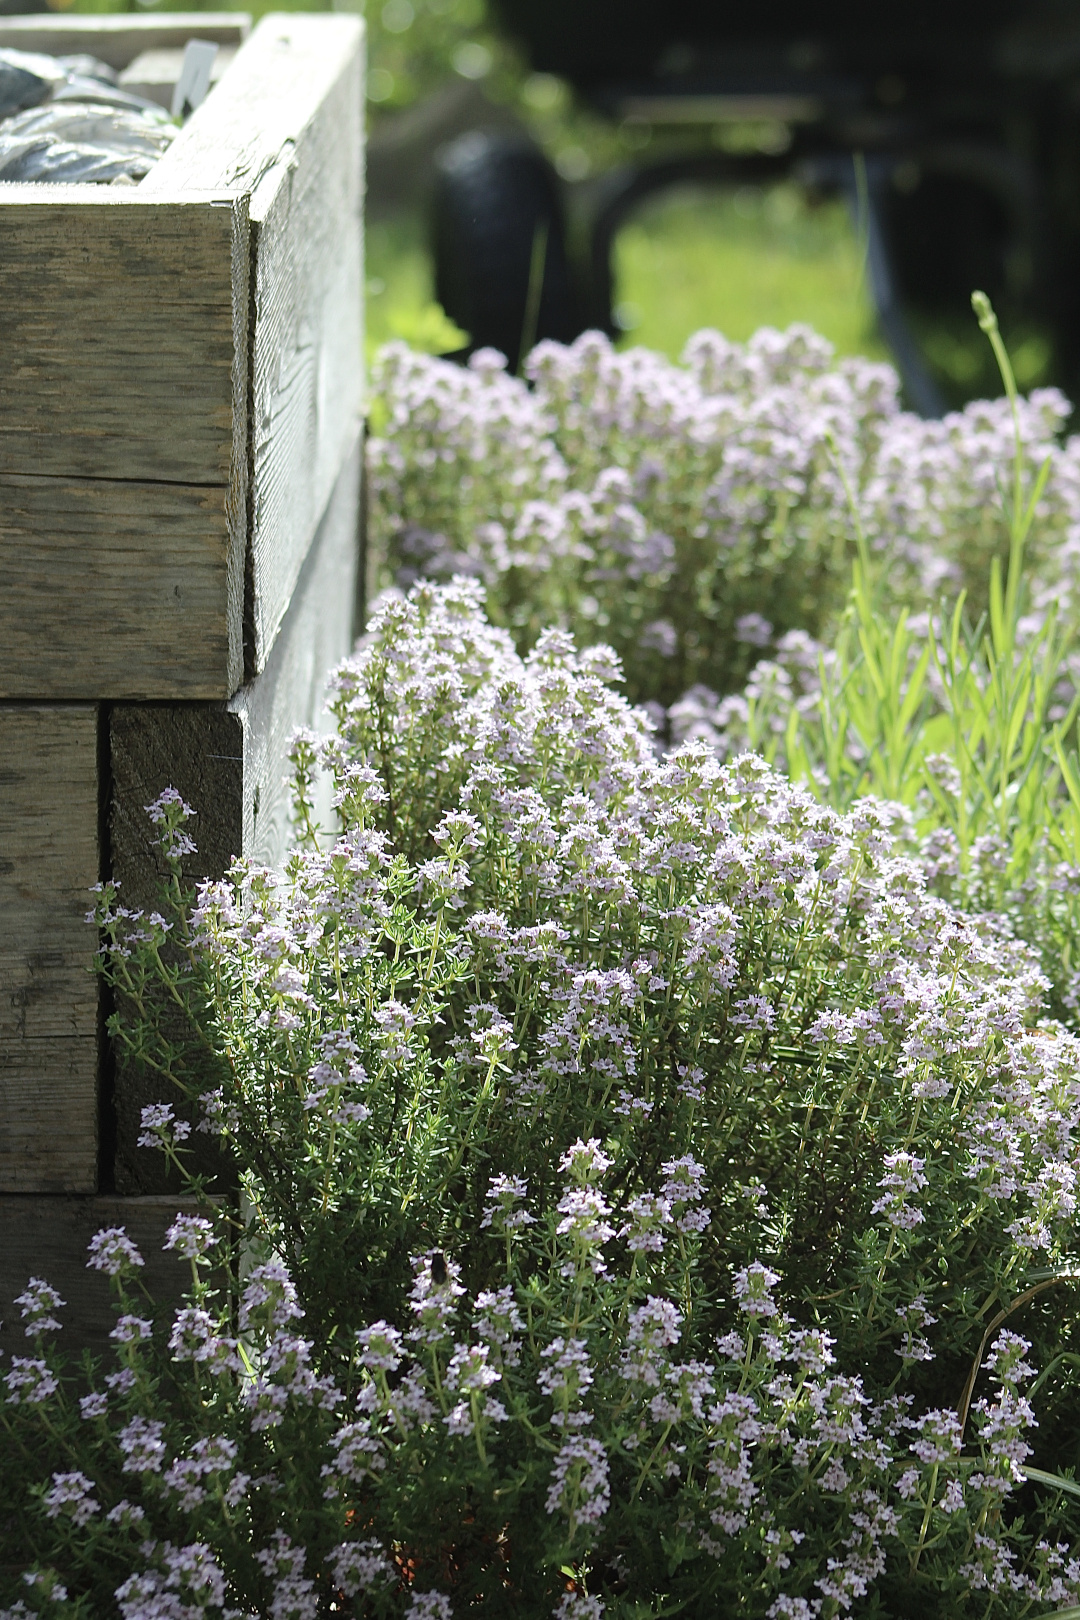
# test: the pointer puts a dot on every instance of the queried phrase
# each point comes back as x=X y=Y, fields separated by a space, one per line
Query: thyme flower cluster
x=655 y=1194
x=696 y=515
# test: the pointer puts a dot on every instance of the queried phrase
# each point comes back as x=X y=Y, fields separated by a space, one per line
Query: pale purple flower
x=903 y=1177
x=36 y=1305
x=131 y=1330
x=380 y=1346
x=578 y=1606
x=361 y=1566
x=161 y=1128
x=192 y=1236
x=579 y=1481
x=586 y=1161
x=142 y=1446
x=753 y=1290
x=503 y=1194
x=428 y=1606
x=112 y=1251
x=268 y=1297
x=29 y=1381
x=70 y=1495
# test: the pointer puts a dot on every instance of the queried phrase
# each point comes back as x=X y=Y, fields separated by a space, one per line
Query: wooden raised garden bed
x=180 y=416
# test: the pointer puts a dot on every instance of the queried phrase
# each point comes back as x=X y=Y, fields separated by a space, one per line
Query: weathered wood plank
x=123 y=444
x=48 y=1238
x=49 y=858
x=229 y=762
x=123 y=325
x=291 y=129
x=318 y=631
x=124 y=322
x=119 y=39
x=118 y=589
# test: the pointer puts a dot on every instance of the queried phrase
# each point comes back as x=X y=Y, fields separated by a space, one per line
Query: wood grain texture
x=49 y=858
x=316 y=634
x=115 y=589
x=200 y=334
x=119 y=39
x=119 y=334
x=290 y=128
x=230 y=763
x=48 y=1237
x=123 y=444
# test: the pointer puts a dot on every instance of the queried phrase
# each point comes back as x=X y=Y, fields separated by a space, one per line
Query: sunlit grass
x=690 y=259
x=738 y=261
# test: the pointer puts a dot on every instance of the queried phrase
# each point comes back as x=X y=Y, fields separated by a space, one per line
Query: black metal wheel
x=501 y=268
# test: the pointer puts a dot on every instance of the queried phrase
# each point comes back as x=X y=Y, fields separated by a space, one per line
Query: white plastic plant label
x=194 y=81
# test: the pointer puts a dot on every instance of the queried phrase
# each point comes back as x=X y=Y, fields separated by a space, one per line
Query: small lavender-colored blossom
x=169 y=814
x=192 y=1570
x=683 y=1190
x=131 y=1330
x=789 y=1608
x=579 y=1481
x=380 y=1347
x=584 y=1213
x=811 y=1350
x=295 y=1595
x=753 y=1286
x=644 y=1231
x=269 y=1296
x=504 y=1192
x=214 y=1455
x=46 y=1582
x=70 y=1495
x=361 y=1566
x=142 y=1447
x=578 y=1606
x=36 y=1304
x=428 y=1606
x=939 y=1437
x=497 y=1319
x=732 y=1490
x=125 y=1514
x=469 y=1371
x=914 y=1318
x=94 y=1405
x=161 y=1128
x=358 y=1452
x=586 y=1161
x=568 y=1373
x=903 y=1177
x=194 y=1335
x=1006 y=1358
x=654 y=1326
x=29 y=1381
x=192 y=1236
x=112 y=1251
x=433 y=1300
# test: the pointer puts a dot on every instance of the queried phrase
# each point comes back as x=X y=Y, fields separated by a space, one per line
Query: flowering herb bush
x=693 y=516
x=666 y=1176
x=969 y=728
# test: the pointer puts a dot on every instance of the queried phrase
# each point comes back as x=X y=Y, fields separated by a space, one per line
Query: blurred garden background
x=733 y=259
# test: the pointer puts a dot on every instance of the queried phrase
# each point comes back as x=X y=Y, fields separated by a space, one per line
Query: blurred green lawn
x=691 y=258
x=733 y=260
x=738 y=261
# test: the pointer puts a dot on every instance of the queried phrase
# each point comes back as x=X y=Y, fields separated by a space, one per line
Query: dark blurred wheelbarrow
x=953 y=128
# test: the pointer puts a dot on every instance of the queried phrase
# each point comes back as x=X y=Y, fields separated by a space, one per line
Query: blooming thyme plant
x=693 y=516
x=665 y=1172
x=971 y=727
